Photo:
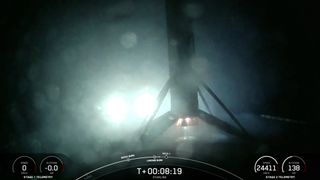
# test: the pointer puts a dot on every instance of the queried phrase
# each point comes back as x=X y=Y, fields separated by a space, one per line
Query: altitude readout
x=293 y=165
x=51 y=165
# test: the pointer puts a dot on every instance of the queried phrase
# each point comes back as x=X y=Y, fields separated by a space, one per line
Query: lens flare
x=116 y=109
x=144 y=105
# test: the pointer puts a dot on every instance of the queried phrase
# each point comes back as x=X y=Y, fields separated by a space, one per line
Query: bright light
x=145 y=104
x=116 y=109
x=179 y=122
x=188 y=120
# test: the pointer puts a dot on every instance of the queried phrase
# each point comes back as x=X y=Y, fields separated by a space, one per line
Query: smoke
x=75 y=56
x=78 y=64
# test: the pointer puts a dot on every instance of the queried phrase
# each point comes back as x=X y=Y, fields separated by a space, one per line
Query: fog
x=72 y=57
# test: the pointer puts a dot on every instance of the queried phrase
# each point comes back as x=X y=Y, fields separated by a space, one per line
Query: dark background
x=261 y=58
